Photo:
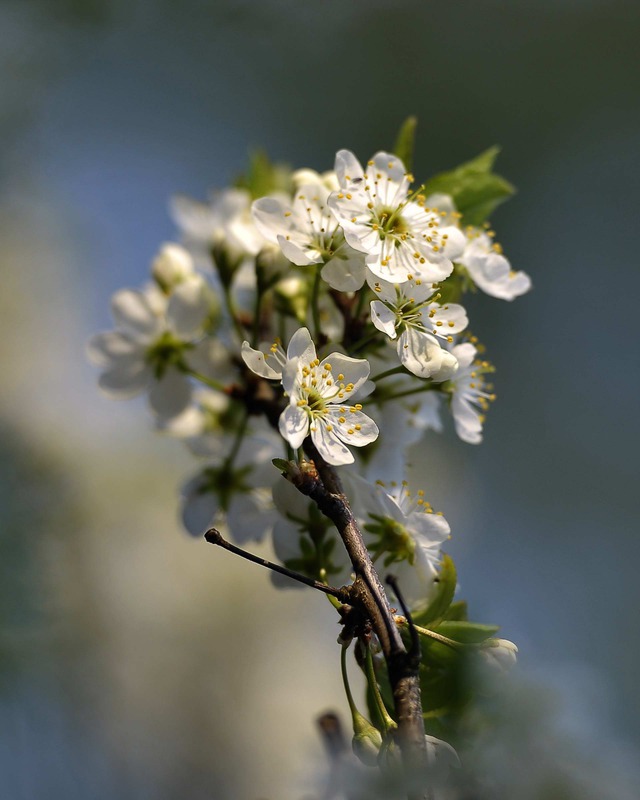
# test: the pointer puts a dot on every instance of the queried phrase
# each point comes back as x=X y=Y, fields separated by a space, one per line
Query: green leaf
x=467 y=632
x=475 y=189
x=405 y=141
x=457 y=611
x=264 y=177
x=445 y=589
x=282 y=464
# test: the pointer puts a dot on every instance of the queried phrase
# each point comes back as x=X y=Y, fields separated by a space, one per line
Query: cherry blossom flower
x=155 y=337
x=470 y=395
x=410 y=309
x=235 y=489
x=307 y=233
x=489 y=269
x=224 y=220
x=402 y=531
x=319 y=394
x=400 y=235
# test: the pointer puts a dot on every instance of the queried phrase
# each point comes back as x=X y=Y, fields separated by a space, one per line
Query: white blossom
x=307 y=233
x=410 y=308
x=235 y=490
x=224 y=220
x=401 y=529
x=319 y=394
x=155 y=337
x=471 y=395
x=401 y=236
x=489 y=269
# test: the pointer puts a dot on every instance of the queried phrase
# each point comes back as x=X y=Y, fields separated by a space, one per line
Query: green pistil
x=392 y=538
x=316 y=402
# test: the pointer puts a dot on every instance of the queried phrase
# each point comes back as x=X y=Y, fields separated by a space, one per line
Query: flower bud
x=366 y=745
x=500 y=654
x=171 y=266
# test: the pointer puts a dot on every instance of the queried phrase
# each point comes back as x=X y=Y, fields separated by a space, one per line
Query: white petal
x=347 y=167
x=170 y=395
x=383 y=318
x=199 y=509
x=125 y=379
x=328 y=444
x=294 y=425
x=256 y=361
x=133 y=313
x=301 y=346
x=357 y=429
x=467 y=420
x=465 y=353
x=355 y=372
x=345 y=271
x=448 y=368
x=271 y=218
x=190 y=304
x=419 y=352
x=106 y=348
x=297 y=254
x=250 y=516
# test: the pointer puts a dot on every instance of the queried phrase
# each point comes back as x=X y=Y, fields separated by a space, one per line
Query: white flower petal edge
x=490 y=270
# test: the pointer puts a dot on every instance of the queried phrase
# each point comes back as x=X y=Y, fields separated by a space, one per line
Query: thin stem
x=415 y=652
x=231 y=309
x=315 y=295
x=345 y=681
x=388 y=723
x=429 y=388
x=210 y=382
x=387 y=373
x=364 y=341
x=238 y=440
x=255 y=335
x=214 y=536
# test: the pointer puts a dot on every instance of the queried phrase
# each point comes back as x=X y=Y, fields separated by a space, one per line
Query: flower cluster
x=293 y=301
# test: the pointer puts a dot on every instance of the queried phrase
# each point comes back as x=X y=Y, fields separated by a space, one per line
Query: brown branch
x=213 y=536
x=320 y=482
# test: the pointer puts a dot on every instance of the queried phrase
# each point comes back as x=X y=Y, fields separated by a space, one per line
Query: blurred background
x=137 y=663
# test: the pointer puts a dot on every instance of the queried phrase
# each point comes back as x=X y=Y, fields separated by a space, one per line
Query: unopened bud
x=500 y=654
x=171 y=266
x=366 y=743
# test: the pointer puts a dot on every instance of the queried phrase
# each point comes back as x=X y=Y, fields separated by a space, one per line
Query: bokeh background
x=136 y=663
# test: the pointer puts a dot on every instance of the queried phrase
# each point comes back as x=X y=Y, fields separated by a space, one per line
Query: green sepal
x=443 y=597
x=466 y=632
x=475 y=189
x=282 y=464
x=405 y=142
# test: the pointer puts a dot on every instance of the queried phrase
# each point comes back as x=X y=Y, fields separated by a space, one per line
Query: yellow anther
x=342 y=420
x=348 y=196
x=287 y=213
x=451 y=324
x=358 y=407
x=340 y=377
x=358 y=427
x=350 y=430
